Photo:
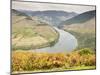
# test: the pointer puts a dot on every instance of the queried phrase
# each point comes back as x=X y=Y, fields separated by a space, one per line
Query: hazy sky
x=48 y=6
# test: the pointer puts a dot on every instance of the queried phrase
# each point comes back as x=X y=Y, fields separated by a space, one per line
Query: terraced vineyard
x=29 y=34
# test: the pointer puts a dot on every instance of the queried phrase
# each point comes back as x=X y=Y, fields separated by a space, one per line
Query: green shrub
x=85 y=51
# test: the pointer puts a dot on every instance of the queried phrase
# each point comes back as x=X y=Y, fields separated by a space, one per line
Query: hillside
x=30 y=33
x=86 y=27
x=81 y=18
x=52 y=17
x=83 y=28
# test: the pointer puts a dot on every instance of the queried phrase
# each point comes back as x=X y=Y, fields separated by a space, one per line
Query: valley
x=46 y=40
x=29 y=34
x=83 y=30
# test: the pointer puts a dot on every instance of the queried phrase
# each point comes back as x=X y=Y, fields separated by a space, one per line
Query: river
x=66 y=43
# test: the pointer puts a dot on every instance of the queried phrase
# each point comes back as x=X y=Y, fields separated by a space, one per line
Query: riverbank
x=33 y=37
x=84 y=38
x=85 y=33
x=66 y=43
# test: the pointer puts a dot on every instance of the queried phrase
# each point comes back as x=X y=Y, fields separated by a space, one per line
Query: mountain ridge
x=52 y=17
x=80 y=18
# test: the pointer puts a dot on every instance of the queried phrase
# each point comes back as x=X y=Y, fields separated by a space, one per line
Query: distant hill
x=85 y=27
x=80 y=18
x=17 y=13
x=18 y=16
x=52 y=17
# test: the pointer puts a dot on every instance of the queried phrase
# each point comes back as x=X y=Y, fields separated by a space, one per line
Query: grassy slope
x=84 y=32
x=30 y=34
x=81 y=18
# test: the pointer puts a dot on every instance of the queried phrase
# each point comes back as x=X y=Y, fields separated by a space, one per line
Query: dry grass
x=32 y=61
x=27 y=34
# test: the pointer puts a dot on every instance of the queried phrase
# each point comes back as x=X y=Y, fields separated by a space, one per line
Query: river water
x=66 y=43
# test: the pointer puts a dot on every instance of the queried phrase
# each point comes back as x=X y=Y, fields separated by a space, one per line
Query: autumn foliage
x=30 y=61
